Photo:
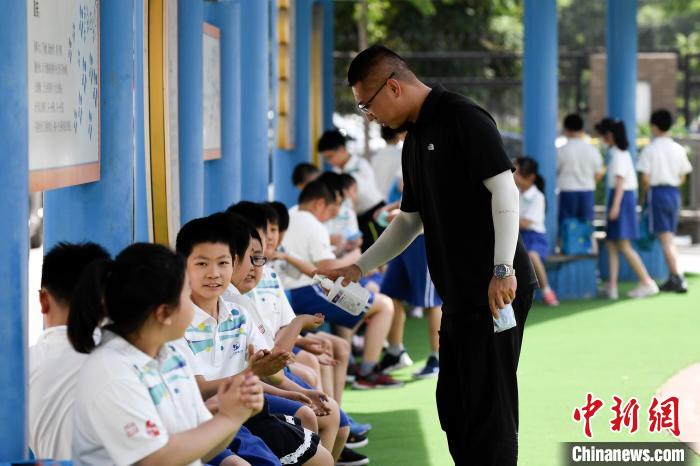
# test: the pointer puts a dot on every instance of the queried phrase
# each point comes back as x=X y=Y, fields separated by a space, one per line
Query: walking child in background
x=663 y=166
x=621 y=215
x=532 y=229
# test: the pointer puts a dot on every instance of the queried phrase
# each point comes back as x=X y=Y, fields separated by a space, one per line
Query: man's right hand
x=352 y=273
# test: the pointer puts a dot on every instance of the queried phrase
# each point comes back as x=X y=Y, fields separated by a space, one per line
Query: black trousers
x=477 y=389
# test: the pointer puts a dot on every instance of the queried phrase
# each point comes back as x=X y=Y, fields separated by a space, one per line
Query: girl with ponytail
x=137 y=401
x=621 y=226
x=532 y=229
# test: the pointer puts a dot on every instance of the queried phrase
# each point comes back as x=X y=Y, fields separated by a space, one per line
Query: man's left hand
x=501 y=293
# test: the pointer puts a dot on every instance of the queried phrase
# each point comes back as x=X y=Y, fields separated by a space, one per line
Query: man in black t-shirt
x=459 y=188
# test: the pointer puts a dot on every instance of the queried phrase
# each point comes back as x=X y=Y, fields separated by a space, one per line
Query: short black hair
x=303 y=172
x=64 y=264
x=619 y=134
x=282 y=215
x=251 y=211
x=365 y=63
x=333 y=181
x=573 y=122
x=270 y=213
x=346 y=180
x=604 y=126
x=662 y=119
x=318 y=189
x=331 y=139
x=220 y=227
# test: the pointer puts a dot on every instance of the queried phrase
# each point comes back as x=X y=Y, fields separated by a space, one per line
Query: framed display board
x=63 y=73
x=211 y=92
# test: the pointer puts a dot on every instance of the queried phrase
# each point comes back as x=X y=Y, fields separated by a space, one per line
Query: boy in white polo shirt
x=53 y=363
x=664 y=165
x=308 y=239
x=579 y=168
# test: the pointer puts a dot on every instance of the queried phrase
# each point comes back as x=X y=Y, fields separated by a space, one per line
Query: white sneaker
x=609 y=292
x=642 y=291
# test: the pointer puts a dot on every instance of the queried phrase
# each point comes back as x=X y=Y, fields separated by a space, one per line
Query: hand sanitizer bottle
x=505 y=321
x=353 y=298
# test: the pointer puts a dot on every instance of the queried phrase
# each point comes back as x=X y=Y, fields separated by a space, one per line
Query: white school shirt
x=665 y=161
x=271 y=304
x=385 y=163
x=368 y=194
x=532 y=208
x=219 y=349
x=345 y=223
x=309 y=240
x=53 y=371
x=578 y=162
x=128 y=403
x=621 y=165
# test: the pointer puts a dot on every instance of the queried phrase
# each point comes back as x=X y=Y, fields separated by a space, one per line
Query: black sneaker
x=356 y=441
x=675 y=283
x=391 y=363
x=350 y=457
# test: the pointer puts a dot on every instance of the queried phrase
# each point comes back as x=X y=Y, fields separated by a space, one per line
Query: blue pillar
x=621 y=78
x=328 y=78
x=223 y=177
x=540 y=98
x=255 y=99
x=14 y=242
x=190 y=16
x=141 y=223
x=104 y=211
x=285 y=160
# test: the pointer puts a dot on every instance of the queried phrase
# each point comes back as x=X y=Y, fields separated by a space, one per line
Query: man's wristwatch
x=502 y=271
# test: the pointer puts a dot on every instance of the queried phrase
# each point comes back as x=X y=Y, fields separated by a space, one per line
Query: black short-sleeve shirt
x=450 y=150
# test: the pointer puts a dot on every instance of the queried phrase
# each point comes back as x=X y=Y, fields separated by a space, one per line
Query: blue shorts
x=664 y=205
x=312 y=300
x=536 y=242
x=252 y=449
x=376 y=277
x=279 y=405
x=408 y=279
x=344 y=421
x=626 y=225
x=216 y=461
x=576 y=204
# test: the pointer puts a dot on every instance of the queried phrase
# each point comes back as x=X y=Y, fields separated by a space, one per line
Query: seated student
x=532 y=229
x=308 y=239
x=622 y=224
x=343 y=228
x=579 y=168
x=137 y=401
x=224 y=342
x=664 y=165
x=53 y=363
x=332 y=146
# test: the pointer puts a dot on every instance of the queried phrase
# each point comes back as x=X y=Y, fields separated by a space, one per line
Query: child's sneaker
x=391 y=363
x=431 y=369
x=351 y=374
x=609 y=292
x=675 y=283
x=644 y=290
x=356 y=441
x=375 y=380
x=349 y=457
x=549 y=298
x=357 y=428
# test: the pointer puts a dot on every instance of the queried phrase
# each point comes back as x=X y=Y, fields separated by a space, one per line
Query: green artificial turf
x=627 y=348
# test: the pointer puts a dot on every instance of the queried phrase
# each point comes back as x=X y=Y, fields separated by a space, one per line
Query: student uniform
x=308 y=239
x=218 y=349
x=665 y=161
x=625 y=226
x=578 y=163
x=385 y=162
x=53 y=373
x=127 y=403
x=345 y=223
x=369 y=199
x=450 y=150
x=532 y=207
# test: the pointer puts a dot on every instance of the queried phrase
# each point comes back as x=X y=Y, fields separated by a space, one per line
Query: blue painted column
x=189 y=22
x=141 y=223
x=621 y=78
x=540 y=98
x=223 y=177
x=104 y=211
x=286 y=160
x=328 y=46
x=255 y=99
x=14 y=241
